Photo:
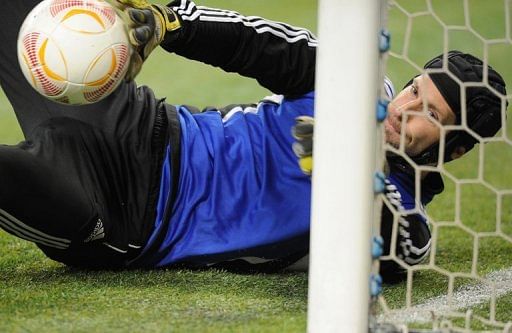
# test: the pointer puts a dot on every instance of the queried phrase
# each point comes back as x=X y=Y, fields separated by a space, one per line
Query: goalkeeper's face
x=416 y=116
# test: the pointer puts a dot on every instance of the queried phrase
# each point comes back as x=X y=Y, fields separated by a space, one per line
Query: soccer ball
x=74 y=51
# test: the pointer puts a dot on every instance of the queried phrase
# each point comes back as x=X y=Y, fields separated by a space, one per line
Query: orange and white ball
x=74 y=51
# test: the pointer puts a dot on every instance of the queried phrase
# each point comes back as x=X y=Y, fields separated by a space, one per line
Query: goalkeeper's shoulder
x=389 y=88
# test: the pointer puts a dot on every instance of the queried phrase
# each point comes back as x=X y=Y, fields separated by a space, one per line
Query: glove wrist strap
x=169 y=21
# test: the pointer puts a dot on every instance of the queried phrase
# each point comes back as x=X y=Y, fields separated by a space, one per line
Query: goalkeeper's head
x=456 y=89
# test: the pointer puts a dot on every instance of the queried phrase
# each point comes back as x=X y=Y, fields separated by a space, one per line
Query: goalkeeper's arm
x=280 y=57
x=412 y=236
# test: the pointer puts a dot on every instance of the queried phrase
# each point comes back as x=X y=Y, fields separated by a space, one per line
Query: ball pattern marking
x=32 y=44
x=121 y=56
x=107 y=14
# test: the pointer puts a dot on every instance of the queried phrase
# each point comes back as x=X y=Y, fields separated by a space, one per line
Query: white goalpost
x=345 y=133
x=464 y=284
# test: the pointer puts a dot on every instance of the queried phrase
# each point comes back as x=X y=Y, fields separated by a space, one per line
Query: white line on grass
x=464 y=298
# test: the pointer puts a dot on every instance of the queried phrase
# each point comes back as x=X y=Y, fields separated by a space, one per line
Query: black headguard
x=483 y=106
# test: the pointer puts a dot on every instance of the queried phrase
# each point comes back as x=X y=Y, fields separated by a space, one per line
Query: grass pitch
x=39 y=295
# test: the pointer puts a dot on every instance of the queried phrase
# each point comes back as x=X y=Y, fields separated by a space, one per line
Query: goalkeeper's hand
x=147 y=24
x=303 y=147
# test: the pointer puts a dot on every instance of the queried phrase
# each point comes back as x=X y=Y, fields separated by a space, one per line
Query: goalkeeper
x=421 y=143
x=132 y=181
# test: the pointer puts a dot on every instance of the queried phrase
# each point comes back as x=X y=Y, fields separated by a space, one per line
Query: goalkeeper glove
x=303 y=147
x=147 y=23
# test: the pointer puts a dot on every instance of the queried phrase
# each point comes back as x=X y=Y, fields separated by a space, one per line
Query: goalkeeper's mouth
x=392 y=127
x=393 y=132
x=396 y=126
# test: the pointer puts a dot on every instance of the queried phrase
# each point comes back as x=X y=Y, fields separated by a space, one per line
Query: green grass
x=37 y=295
x=40 y=296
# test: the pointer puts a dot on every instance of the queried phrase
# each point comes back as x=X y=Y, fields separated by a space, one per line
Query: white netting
x=465 y=284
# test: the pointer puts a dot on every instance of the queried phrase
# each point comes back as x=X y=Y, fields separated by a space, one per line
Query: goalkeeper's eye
x=433 y=114
x=414 y=90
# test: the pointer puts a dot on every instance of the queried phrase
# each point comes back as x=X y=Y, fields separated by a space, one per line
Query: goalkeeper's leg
x=40 y=203
x=31 y=108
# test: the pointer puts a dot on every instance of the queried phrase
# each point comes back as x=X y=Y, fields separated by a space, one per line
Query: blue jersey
x=241 y=193
x=405 y=184
x=413 y=236
x=240 y=186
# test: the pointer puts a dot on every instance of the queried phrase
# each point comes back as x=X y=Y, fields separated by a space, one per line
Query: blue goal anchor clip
x=375 y=285
x=377 y=247
x=379 y=184
x=382 y=109
x=384 y=40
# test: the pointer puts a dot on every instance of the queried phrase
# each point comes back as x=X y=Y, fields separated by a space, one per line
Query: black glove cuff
x=173 y=37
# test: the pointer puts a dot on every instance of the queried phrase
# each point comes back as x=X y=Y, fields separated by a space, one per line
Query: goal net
x=464 y=284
